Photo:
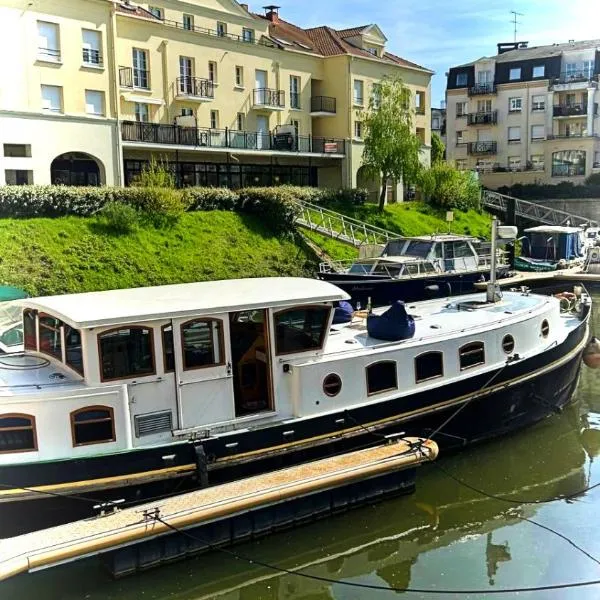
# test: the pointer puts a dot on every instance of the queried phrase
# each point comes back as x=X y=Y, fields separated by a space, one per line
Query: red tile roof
x=352 y=31
x=135 y=10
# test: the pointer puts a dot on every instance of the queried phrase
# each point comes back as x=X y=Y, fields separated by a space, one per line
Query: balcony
x=134 y=78
x=569 y=110
x=481 y=148
x=91 y=57
x=194 y=88
x=578 y=76
x=566 y=136
x=173 y=135
x=323 y=106
x=483 y=118
x=482 y=89
x=265 y=98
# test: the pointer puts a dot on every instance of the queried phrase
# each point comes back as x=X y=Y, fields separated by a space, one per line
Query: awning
x=142 y=99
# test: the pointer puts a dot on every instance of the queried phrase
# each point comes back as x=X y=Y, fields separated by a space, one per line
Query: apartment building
x=438 y=121
x=527 y=115
x=226 y=96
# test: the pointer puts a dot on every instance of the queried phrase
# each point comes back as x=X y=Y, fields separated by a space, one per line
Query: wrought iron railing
x=480 y=89
x=569 y=110
x=579 y=75
x=196 y=87
x=268 y=97
x=91 y=56
x=482 y=147
x=324 y=104
x=52 y=54
x=483 y=118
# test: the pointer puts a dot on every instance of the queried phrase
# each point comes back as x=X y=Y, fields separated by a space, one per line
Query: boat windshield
x=360 y=268
x=10 y=312
x=418 y=249
x=394 y=248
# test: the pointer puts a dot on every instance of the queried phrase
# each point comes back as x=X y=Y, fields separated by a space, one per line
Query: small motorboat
x=551 y=247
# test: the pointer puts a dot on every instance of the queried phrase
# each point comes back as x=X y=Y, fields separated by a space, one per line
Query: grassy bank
x=74 y=254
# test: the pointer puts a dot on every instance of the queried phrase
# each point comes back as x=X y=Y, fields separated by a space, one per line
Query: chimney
x=272 y=13
x=508 y=46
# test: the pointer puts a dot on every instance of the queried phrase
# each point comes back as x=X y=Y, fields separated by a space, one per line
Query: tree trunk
x=383 y=193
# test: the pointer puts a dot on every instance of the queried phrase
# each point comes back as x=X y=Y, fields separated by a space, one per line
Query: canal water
x=447 y=536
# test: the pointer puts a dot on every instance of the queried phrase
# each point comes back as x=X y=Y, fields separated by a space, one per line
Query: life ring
x=567 y=300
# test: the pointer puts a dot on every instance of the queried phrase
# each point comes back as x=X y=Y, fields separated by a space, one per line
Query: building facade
x=438 y=121
x=527 y=115
x=224 y=96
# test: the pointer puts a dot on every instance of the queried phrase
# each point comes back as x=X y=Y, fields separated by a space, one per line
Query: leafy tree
x=391 y=147
x=438 y=149
x=447 y=187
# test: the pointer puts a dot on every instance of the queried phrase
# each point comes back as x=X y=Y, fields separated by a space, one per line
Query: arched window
x=17 y=433
x=429 y=365
x=126 y=352
x=93 y=425
x=382 y=377
x=301 y=329
x=471 y=355
x=202 y=343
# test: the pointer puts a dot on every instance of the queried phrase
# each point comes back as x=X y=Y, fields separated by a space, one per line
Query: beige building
x=226 y=96
x=527 y=115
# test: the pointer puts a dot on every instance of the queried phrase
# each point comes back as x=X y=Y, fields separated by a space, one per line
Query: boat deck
x=524 y=277
x=46 y=548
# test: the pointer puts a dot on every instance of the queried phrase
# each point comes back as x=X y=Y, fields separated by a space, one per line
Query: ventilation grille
x=153 y=423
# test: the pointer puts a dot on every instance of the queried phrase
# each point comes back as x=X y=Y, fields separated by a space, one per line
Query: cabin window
x=73 y=349
x=508 y=344
x=382 y=377
x=29 y=330
x=301 y=329
x=471 y=355
x=545 y=328
x=50 y=336
x=126 y=352
x=360 y=268
x=93 y=425
x=17 y=433
x=389 y=269
x=429 y=366
x=202 y=342
x=168 y=351
x=332 y=385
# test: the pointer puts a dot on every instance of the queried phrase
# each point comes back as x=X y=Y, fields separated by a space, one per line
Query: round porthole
x=508 y=344
x=332 y=385
x=545 y=328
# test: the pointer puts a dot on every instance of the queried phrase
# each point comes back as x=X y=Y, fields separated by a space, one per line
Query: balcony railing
x=483 y=118
x=569 y=110
x=481 y=147
x=50 y=54
x=91 y=57
x=581 y=75
x=515 y=168
x=154 y=133
x=480 y=89
x=269 y=98
x=576 y=134
x=134 y=78
x=324 y=104
x=195 y=87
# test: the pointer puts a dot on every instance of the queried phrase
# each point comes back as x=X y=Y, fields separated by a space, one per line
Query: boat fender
x=201 y=465
x=432 y=289
x=591 y=354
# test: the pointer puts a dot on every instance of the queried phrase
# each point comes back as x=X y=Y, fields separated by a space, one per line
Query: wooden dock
x=529 y=277
x=120 y=533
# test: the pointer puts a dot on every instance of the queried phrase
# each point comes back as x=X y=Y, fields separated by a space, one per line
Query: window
x=514 y=74
x=515 y=104
x=18 y=177
x=17 y=150
x=373 y=51
x=188 y=22
x=212 y=71
x=484 y=106
x=248 y=35
x=187 y=112
x=94 y=103
x=538 y=102
x=514 y=135
x=332 y=385
x=435 y=123
x=461 y=79
x=142 y=112
x=73 y=349
x=239 y=76
x=157 y=12
x=91 y=47
x=168 y=349
x=429 y=366
x=294 y=91
x=202 y=343
x=460 y=137
x=241 y=121
x=461 y=164
x=539 y=71
x=126 y=352
x=17 y=433
x=537 y=162
x=484 y=78
x=140 y=68
x=50 y=338
x=48 y=42
x=52 y=98
x=588 y=68
x=382 y=377
x=568 y=163
x=462 y=108
x=545 y=328
x=420 y=103
x=471 y=355
x=221 y=29
x=514 y=163
x=29 y=329
x=92 y=425
x=301 y=329
x=214 y=119
x=186 y=74
x=538 y=132
x=296 y=124
x=358 y=92
x=358 y=132
x=508 y=344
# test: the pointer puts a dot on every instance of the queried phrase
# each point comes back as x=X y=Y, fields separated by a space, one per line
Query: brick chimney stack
x=272 y=13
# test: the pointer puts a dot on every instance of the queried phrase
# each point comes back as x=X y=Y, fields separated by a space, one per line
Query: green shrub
x=564 y=189
x=156 y=175
x=275 y=206
x=119 y=218
x=205 y=198
x=162 y=207
x=593 y=179
x=445 y=186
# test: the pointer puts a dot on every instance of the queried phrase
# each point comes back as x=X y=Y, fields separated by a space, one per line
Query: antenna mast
x=515 y=22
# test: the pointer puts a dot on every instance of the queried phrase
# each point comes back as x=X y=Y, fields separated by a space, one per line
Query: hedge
x=565 y=189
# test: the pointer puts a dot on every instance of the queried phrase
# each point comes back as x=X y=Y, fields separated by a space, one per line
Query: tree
x=391 y=147
x=445 y=186
x=438 y=150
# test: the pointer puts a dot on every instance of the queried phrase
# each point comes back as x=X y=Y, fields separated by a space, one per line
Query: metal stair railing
x=534 y=211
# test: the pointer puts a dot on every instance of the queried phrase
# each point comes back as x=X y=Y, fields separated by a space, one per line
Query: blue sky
x=442 y=33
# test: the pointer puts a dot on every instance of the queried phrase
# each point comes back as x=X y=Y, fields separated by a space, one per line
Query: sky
x=439 y=34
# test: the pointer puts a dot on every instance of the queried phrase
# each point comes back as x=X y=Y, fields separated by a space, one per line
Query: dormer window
x=372 y=50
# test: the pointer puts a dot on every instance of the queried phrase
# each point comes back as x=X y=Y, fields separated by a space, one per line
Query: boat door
x=203 y=370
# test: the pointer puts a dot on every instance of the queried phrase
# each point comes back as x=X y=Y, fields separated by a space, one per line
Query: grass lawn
x=73 y=254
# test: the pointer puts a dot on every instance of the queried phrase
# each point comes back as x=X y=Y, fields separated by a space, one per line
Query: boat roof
x=553 y=229
x=437 y=237
x=119 y=307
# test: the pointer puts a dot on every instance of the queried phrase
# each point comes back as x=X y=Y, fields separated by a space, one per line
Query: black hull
x=495 y=403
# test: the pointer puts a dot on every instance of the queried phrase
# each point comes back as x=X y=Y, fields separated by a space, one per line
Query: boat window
x=29 y=329
x=301 y=329
x=359 y=268
x=50 y=336
x=428 y=267
x=437 y=251
x=73 y=349
x=17 y=433
x=12 y=336
x=394 y=248
x=418 y=248
x=462 y=250
x=429 y=366
x=126 y=352
x=167 y=344
x=332 y=385
x=382 y=377
x=93 y=425
x=545 y=328
x=508 y=343
x=471 y=355
x=389 y=269
x=202 y=341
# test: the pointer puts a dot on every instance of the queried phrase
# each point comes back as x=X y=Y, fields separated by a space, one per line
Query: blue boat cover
x=343 y=313
x=393 y=325
x=552 y=247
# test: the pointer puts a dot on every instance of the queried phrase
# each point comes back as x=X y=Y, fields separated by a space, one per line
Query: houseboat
x=413 y=269
x=549 y=247
x=125 y=394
